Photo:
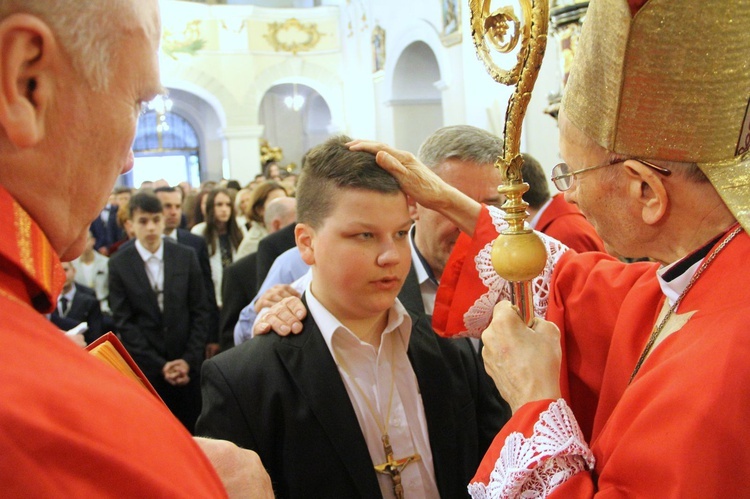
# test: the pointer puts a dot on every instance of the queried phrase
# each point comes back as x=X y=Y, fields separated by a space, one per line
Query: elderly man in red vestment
x=71 y=87
x=637 y=385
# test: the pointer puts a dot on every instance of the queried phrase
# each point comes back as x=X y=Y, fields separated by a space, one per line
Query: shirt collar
x=675 y=277
x=421 y=267
x=172 y=235
x=674 y=287
x=398 y=321
x=70 y=294
x=146 y=254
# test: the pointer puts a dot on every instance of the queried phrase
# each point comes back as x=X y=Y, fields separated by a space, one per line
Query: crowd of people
x=320 y=336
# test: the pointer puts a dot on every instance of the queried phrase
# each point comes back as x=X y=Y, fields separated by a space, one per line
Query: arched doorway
x=295 y=118
x=416 y=101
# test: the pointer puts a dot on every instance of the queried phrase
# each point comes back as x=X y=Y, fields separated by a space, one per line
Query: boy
x=367 y=402
x=159 y=303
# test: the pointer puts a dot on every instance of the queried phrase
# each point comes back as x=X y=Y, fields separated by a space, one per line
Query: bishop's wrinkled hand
x=415 y=179
x=524 y=362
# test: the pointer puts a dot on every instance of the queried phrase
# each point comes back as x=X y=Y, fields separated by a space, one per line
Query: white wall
x=238 y=66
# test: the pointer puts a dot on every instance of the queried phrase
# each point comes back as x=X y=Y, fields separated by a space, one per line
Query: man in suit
x=239 y=286
x=158 y=300
x=270 y=247
x=104 y=227
x=76 y=304
x=368 y=399
x=171 y=201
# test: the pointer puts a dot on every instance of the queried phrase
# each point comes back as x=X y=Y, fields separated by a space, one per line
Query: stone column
x=242 y=152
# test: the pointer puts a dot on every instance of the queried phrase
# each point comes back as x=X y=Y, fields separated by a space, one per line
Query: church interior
x=284 y=75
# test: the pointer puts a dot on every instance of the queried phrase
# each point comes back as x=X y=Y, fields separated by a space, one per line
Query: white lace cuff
x=479 y=315
x=534 y=467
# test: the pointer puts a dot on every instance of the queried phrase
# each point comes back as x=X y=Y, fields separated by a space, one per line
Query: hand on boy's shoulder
x=274 y=295
x=282 y=318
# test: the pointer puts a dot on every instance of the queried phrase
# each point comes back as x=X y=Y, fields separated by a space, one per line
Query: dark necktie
x=64 y=305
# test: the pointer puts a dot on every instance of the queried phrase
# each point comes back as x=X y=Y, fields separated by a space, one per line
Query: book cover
x=110 y=350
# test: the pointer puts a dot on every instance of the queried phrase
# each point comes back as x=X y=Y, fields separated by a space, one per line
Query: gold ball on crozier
x=519 y=257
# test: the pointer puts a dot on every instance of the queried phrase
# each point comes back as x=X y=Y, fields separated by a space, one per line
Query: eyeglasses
x=562 y=176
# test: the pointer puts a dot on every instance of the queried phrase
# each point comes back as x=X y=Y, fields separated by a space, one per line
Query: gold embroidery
x=292 y=36
x=22 y=223
x=12 y=297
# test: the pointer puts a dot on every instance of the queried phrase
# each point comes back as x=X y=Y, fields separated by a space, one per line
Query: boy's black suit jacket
x=283 y=397
x=151 y=336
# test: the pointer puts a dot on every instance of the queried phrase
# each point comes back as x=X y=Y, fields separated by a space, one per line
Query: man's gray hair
x=460 y=142
x=81 y=30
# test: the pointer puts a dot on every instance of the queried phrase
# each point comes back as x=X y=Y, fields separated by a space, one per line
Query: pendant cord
x=382 y=425
x=657 y=331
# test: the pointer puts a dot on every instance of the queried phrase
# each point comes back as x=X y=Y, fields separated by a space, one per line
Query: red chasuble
x=71 y=425
x=680 y=428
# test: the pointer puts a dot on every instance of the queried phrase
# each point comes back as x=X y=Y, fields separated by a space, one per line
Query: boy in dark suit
x=158 y=300
x=368 y=402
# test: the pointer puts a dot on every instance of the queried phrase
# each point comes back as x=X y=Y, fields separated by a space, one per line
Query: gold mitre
x=669 y=80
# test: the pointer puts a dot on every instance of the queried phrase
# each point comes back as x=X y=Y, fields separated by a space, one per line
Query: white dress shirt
x=68 y=296
x=154 y=270
x=385 y=376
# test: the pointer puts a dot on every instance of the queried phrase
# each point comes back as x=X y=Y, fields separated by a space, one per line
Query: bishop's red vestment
x=678 y=430
x=71 y=425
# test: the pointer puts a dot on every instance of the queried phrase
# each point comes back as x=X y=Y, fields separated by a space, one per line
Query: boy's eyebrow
x=365 y=225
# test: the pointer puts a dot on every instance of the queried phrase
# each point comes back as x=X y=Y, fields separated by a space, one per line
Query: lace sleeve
x=479 y=315
x=535 y=466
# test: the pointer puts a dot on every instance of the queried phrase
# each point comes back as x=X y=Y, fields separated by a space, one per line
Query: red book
x=110 y=350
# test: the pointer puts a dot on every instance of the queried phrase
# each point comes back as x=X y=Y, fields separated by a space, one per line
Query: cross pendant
x=394 y=467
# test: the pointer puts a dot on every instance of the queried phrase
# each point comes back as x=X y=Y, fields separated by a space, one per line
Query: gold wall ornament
x=356 y=13
x=190 y=42
x=292 y=36
x=518 y=254
x=235 y=26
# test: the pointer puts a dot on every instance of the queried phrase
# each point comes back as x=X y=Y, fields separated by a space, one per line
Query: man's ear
x=27 y=50
x=412 y=204
x=646 y=187
x=305 y=237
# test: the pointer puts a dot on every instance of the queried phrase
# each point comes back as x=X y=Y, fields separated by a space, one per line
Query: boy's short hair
x=147 y=202
x=331 y=166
